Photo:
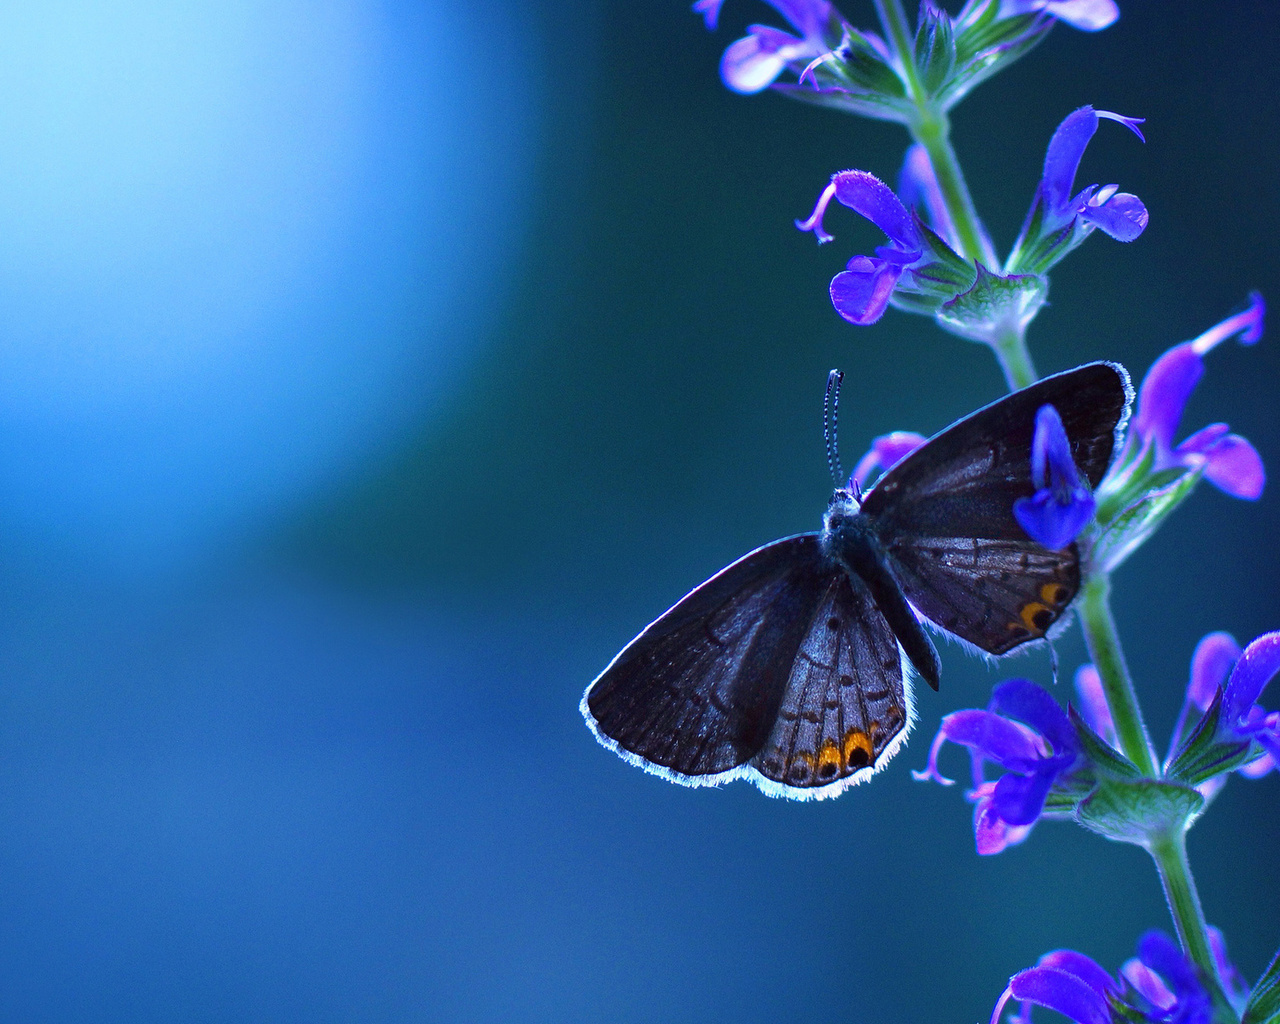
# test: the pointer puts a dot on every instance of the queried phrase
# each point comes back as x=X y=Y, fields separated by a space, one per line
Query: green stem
x=1108 y=658
x=1011 y=349
x=1170 y=854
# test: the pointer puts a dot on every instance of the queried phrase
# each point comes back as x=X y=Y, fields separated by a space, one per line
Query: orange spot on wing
x=1028 y=615
x=1053 y=594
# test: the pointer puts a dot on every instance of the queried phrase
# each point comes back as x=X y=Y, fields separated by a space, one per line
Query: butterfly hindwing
x=845 y=707
x=945 y=513
x=995 y=594
x=699 y=690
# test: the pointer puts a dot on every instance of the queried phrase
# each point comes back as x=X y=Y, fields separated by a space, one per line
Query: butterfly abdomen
x=849 y=538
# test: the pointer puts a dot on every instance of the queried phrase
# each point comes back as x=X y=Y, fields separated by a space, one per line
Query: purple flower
x=861 y=291
x=754 y=62
x=1228 y=460
x=1160 y=986
x=1058 y=220
x=1062 y=504
x=886 y=451
x=1090 y=15
x=1023 y=731
x=1219 y=664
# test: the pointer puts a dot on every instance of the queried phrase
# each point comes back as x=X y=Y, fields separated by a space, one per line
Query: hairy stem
x=1010 y=348
x=1170 y=854
x=1108 y=657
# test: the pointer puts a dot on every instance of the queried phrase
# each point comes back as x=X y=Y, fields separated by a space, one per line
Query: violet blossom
x=1062 y=503
x=1058 y=221
x=1228 y=460
x=885 y=452
x=861 y=292
x=754 y=62
x=1025 y=732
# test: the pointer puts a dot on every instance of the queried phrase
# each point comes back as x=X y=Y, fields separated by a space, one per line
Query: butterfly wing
x=778 y=668
x=846 y=708
x=945 y=513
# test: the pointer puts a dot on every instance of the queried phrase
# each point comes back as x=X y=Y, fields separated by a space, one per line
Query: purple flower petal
x=1019 y=799
x=1211 y=663
x=1230 y=462
x=1062 y=992
x=1178 y=977
x=810 y=17
x=866 y=194
x=1093 y=704
x=991 y=833
x=1085 y=968
x=1164 y=393
x=1232 y=981
x=754 y=62
x=1062 y=158
x=1148 y=984
x=861 y=292
x=994 y=737
x=1049 y=522
x=1033 y=704
x=886 y=451
x=918 y=188
x=1062 y=505
x=1121 y=215
x=1087 y=15
x=1257 y=666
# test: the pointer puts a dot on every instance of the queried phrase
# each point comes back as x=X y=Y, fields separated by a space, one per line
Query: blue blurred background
x=372 y=370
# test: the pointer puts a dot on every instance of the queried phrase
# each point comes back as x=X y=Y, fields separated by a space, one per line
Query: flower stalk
x=1103 y=641
x=1170 y=855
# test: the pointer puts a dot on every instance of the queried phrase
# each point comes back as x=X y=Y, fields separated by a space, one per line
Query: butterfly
x=790 y=667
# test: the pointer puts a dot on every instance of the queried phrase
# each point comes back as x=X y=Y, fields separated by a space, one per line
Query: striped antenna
x=830 y=412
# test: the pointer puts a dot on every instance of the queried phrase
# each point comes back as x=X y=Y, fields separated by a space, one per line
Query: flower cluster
x=922 y=268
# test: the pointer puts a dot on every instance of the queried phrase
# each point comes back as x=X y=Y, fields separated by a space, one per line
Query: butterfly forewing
x=845 y=703
x=945 y=513
x=698 y=691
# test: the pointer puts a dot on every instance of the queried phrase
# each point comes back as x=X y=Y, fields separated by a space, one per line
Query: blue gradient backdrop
x=372 y=370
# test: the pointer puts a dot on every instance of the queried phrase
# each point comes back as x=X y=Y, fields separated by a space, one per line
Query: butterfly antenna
x=830 y=412
x=1053 y=661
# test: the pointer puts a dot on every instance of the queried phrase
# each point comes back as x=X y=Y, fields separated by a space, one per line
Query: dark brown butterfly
x=790 y=666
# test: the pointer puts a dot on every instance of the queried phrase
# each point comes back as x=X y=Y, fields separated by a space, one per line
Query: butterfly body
x=790 y=666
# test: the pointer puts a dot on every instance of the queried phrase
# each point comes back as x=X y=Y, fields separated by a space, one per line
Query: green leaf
x=1138 y=810
x=1131 y=528
x=987 y=45
x=858 y=66
x=865 y=104
x=1106 y=759
x=1205 y=754
x=1264 y=1005
x=960 y=267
